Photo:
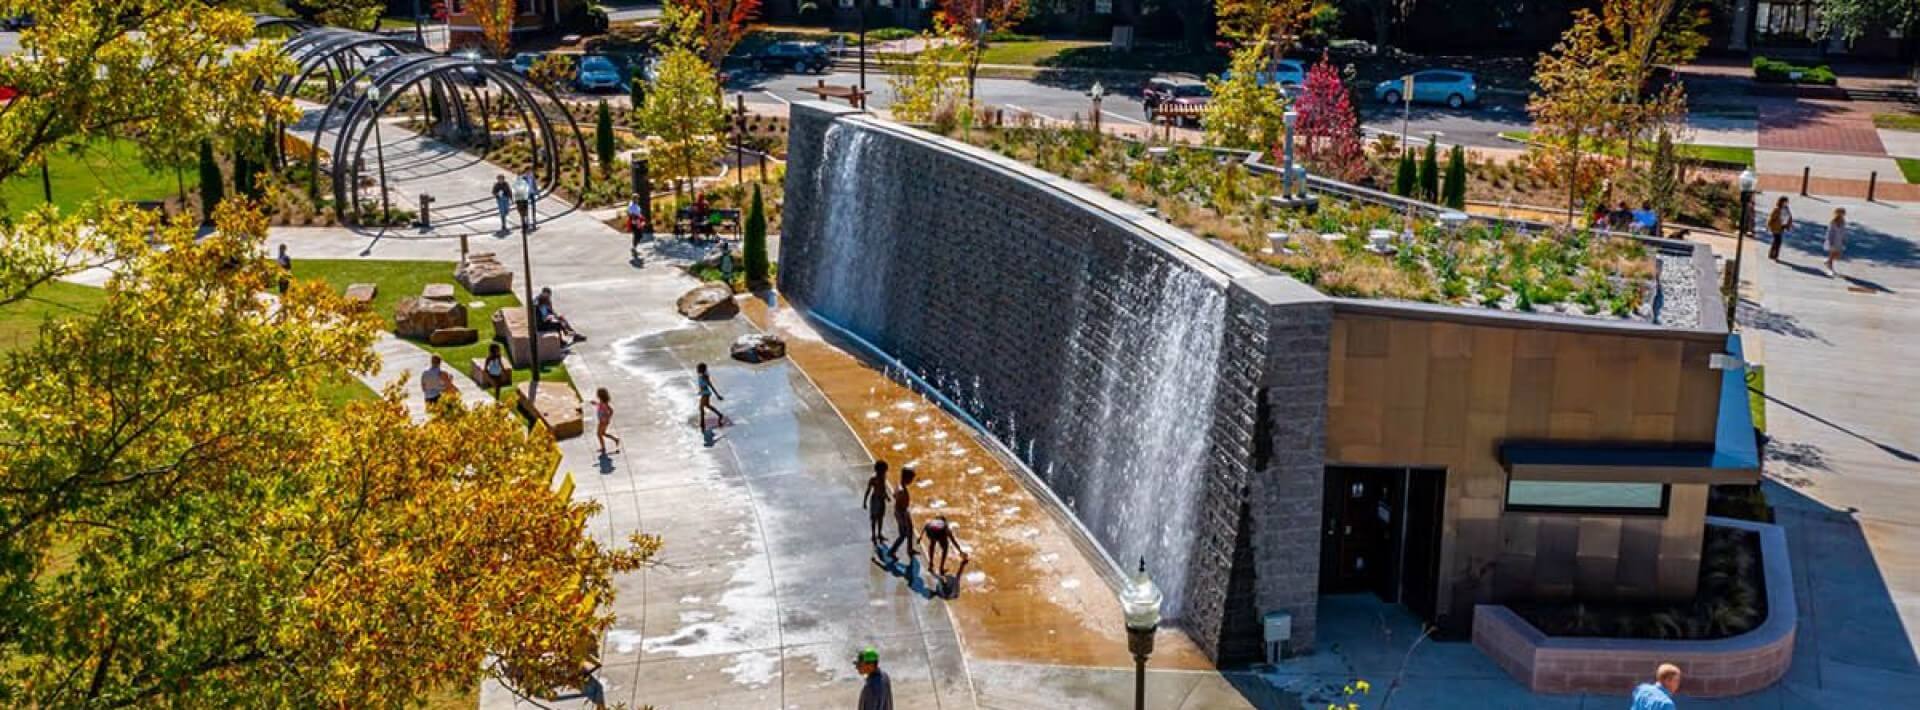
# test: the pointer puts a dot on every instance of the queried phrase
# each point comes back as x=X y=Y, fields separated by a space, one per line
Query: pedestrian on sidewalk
x=1836 y=237
x=603 y=413
x=874 y=501
x=636 y=220
x=1779 y=224
x=533 y=198
x=590 y=686
x=434 y=381
x=707 y=394
x=1658 y=695
x=286 y=269
x=502 y=199
x=877 y=694
x=903 y=515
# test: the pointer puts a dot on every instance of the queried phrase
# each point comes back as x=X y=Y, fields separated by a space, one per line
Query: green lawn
x=400 y=279
x=1033 y=53
x=107 y=165
x=1897 y=121
x=20 y=321
x=1910 y=168
x=1716 y=153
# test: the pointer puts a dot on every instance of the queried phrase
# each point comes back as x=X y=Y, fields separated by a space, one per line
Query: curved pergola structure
x=262 y=22
x=354 y=62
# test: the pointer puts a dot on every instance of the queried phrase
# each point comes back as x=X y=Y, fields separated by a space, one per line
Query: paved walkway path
x=764 y=590
x=1841 y=381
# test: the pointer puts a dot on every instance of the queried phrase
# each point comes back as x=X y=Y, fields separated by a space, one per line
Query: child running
x=603 y=411
x=707 y=394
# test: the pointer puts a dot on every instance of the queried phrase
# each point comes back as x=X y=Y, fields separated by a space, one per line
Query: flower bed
x=1731 y=600
x=1335 y=249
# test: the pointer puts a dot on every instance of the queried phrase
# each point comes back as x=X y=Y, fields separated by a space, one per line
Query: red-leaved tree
x=962 y=18
x=1329 y=132
x=722 y=24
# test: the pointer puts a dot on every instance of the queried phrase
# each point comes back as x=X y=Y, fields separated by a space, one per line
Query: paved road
x=9 y=43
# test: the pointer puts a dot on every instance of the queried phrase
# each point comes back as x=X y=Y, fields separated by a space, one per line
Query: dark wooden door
x=1361 y=525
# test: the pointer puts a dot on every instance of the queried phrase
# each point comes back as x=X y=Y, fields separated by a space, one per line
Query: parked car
x=597 y=73
x=1436 y=86
x=16 y=22
x=1182 y=96
x=798 y=57
x=524 y=61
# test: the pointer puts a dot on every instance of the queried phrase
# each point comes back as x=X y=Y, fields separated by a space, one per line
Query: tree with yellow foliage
x=186 y=525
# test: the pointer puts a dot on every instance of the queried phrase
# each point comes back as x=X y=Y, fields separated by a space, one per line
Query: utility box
x=1278 y=633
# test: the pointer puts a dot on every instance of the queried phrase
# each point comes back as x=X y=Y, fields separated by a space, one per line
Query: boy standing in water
x=903 y=515
x=874 y=501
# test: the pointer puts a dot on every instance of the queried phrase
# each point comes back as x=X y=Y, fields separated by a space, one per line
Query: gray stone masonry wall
x=989 y=267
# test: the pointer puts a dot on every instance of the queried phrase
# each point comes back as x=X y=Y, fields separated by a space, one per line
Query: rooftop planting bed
x=1351 y=250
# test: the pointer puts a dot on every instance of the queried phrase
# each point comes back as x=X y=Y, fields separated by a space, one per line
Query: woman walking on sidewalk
x=1836 y=237
x=1779 y=224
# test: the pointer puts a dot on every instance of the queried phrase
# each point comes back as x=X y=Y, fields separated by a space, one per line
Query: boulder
x=478 y=371
x=711 y=301
x=510 y=327
x=758 y=347
x=362 y=294
x=419 y=317
x=437 y=292
x=555 y=406
x=453 y=336
x=482 y=274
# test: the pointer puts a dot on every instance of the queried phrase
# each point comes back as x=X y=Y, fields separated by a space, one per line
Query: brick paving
x=1819 y=126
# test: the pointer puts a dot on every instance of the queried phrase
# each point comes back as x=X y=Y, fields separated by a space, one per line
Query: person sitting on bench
x=549 y=319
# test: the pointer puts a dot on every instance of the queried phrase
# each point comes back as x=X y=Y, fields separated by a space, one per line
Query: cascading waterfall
x=1128 y=441
x=850 y=276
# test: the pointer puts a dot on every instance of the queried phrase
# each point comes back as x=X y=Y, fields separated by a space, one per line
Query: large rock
x=712 y=301
x=482 y=274
x=555 y=406
x=758 y=347
x=453 y=336
x=510 y=327
x=419 y=317
x=437 y=292
x=362 y=294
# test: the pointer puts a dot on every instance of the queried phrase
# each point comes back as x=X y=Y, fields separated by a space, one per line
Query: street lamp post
x=1748 y=182
x=979 y=44
x=379 y=154
x=1140 y=603
x=522 y=199
x=862 y=5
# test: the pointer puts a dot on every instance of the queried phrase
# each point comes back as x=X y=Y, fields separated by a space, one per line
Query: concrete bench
x=510 y=327
x=557 y=407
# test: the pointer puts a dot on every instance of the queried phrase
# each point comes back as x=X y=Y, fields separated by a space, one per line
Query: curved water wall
x=1115 y=355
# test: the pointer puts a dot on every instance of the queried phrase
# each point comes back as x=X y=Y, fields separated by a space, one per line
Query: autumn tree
x=1244 y=113
x=1329 y=131
x=682 y=114
x=167 y=73
x=720 y=24
x=1277 y=22
x=972 y=20
x=495 y=18
x=552 y=72
x=188 y=524
x=930 y=87
x=1581 y=81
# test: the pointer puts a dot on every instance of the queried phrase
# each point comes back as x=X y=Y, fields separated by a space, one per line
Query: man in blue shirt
x=878 y=692
x=1658 y=695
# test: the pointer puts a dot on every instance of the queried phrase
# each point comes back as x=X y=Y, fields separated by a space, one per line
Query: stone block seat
x=510 y=327
x=483 y=275
x=556 y=406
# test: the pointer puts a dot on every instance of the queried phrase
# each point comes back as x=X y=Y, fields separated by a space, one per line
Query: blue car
x=524 y=61
x=1433 y=86
x=597 y=73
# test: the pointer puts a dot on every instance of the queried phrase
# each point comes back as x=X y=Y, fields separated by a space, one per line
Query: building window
x=1784 y=20
x=1102 y=7
x=1587 y=497
x=846 y=3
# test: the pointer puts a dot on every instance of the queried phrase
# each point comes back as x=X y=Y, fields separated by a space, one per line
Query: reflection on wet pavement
x=1030 y=594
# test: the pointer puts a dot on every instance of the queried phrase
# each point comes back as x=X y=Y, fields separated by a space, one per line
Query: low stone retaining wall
x=1713 y=669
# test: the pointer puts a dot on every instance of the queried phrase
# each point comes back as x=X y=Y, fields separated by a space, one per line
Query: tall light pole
x=380 y=154
x=979 y=44
x=522 y=199
x=861 y=6
x=1140 y=603
x=419 y=35
x=1099 y=91
x=1748 y=182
